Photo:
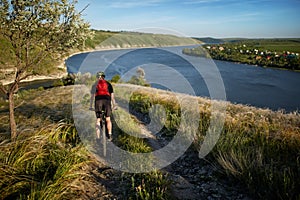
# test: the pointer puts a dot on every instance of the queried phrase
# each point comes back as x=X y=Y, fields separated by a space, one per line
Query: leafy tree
x=116 y=78
x=35 y=31
x=139 y=79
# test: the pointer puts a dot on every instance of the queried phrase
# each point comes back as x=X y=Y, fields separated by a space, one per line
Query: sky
x=197 y=18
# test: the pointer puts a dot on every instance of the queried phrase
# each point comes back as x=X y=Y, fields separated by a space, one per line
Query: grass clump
x=146 y=186
x=153 y=185
x=261 y=148
x=45 y=165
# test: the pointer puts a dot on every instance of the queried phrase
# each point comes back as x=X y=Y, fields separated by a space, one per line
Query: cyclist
x=103 y=93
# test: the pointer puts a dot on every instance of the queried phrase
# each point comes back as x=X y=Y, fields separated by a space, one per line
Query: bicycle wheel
x=103 y=130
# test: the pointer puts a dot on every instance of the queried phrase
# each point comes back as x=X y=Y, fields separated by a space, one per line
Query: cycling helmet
x=100 y=74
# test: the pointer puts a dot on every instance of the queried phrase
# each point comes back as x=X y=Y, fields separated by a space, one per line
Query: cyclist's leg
x=98 y=109
x=98 y=128
x=108 y=125
x=107 y=118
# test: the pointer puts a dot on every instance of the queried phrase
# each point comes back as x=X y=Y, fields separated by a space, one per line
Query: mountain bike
x=103 y=130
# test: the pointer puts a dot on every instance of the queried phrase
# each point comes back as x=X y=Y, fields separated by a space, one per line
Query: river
x=168 y=68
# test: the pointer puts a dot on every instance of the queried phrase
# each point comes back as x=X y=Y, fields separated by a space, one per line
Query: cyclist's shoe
x=98 y=141
x=109 y=137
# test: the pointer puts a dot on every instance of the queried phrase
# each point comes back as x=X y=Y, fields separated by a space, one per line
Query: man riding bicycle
x=103 y=93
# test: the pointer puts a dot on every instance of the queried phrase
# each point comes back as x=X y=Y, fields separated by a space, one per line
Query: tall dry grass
x=48 y=160
x=259 y=147
x=46 y=165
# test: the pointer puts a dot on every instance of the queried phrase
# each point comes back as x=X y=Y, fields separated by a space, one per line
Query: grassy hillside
x=48 y=160
x=135 y=39
x=210 y=40
x=260 y=148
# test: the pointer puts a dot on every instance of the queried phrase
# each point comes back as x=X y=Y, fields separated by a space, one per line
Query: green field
x=277 y=53
x=278 y=45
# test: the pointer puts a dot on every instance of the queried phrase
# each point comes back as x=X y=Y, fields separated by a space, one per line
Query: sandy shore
x=63 y=66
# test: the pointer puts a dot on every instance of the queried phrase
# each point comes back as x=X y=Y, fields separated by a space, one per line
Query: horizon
x=196 y=18
x=196 y=37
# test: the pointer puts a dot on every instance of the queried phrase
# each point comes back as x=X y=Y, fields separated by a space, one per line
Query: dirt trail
x=195 y=178
x=191 y=177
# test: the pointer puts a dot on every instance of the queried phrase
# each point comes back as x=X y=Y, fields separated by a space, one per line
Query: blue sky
x=197 y=18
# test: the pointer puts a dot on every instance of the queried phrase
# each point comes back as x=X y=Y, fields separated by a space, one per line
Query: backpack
x=102 y=88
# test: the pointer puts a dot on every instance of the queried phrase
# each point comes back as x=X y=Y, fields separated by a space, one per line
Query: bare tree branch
x=3 y=90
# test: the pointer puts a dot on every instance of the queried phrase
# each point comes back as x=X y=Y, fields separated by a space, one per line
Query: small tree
x=139 y=79
x=35 y=31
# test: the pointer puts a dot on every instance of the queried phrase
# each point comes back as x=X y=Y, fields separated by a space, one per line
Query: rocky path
x=195 y=178
x=192 y=178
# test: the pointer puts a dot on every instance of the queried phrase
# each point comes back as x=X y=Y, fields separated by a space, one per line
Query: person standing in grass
x=103 y=94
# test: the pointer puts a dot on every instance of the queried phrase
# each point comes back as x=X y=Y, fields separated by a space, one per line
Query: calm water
x=168 y=68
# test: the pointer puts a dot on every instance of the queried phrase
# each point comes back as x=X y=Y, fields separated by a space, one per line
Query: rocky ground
x=195 y=178
x=191 y=177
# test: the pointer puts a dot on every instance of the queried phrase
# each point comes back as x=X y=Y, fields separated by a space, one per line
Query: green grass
x=146 y=186
x=276 y=45
x=132 y=39
x=48 y=161
x=260 y=148
x=98 y=37
x=279 y=45
x=276 y=53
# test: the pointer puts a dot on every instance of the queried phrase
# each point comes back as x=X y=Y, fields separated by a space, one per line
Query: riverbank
x=62 y=66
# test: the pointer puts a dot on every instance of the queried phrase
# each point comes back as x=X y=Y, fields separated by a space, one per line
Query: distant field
x=276 y=53
x=279 y=45
x=282 y=47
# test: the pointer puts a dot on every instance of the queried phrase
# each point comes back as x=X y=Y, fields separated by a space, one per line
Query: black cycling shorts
x=103 y=104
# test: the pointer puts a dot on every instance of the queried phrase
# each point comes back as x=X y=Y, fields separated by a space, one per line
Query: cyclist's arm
x=111 y=91
x=92 y=100
x=113 y=101
x=93 y=91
